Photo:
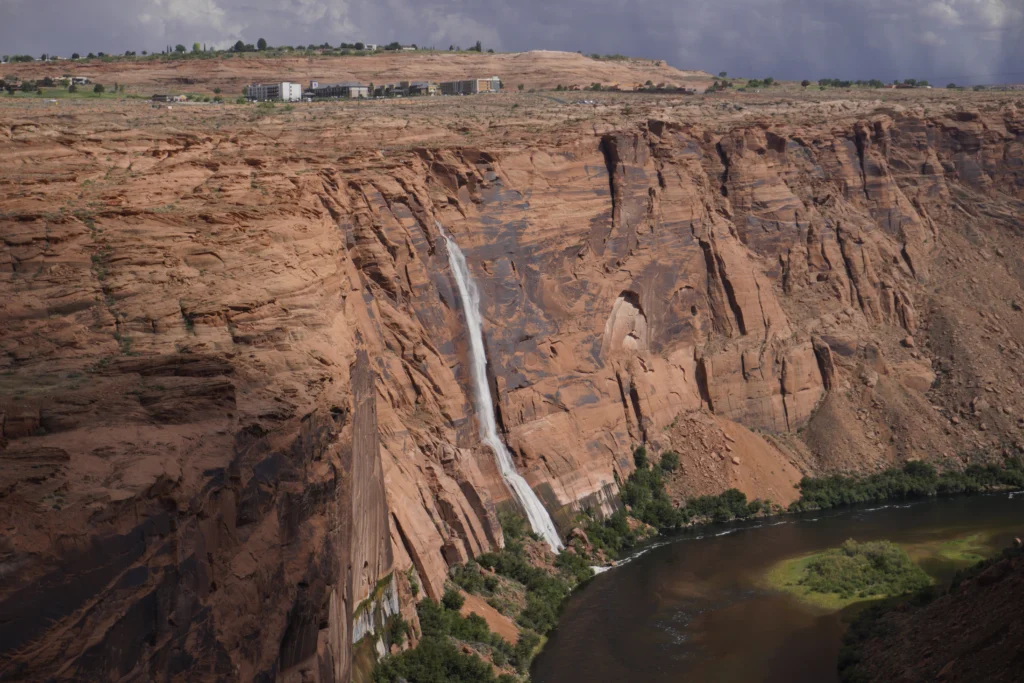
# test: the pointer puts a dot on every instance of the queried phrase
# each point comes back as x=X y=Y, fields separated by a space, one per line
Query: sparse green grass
x=84 y=93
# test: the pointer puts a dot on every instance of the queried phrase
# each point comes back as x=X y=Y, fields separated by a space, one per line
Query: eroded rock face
x=233 y=382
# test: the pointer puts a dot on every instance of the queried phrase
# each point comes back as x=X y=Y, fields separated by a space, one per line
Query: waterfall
x=538 y=516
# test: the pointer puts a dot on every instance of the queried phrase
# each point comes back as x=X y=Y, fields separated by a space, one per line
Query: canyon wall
x=234 y=388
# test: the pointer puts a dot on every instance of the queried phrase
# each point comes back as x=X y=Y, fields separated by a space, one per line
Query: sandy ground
x=496 y=621
x=538 y=69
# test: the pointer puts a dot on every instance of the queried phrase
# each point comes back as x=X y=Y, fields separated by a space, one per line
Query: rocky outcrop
x=234 y=392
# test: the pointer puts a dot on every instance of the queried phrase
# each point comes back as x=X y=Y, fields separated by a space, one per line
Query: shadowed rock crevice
x=718 y=300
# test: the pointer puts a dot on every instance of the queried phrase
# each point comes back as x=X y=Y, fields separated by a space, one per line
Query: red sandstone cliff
x=233 y=387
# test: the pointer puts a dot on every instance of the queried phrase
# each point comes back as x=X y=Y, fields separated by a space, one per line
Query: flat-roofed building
x=281 y=92
x=344 y=90
x=471 y=86
x=422 y=88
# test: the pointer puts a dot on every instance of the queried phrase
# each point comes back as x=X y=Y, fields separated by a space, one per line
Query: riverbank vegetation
x=915 y=479
x=521 y=581
x=437 y=657
x=647 y=508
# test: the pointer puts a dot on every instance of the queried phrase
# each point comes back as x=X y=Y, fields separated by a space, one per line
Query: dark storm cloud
x=941 y=40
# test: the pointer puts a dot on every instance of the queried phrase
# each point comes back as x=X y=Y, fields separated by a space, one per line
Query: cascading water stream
x=536 y=513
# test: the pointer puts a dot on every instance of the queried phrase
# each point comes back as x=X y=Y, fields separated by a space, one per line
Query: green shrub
x=513 y=526
x=644 y=492
x=728 y=505
x=438 y=624
x=640 y=457
x=574 y=565
x=398 y=629
x=613 y=534
x=865 y=570
x=468 y=577
x=434 y=660
x=453 y=599
x=502 y=605
x=669 y=461
x=528 y=642
x=545 y=590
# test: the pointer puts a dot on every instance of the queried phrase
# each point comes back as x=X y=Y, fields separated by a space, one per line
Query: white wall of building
x=284 y=91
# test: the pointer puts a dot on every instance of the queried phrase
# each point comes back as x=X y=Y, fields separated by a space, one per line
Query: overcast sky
x=967 y=41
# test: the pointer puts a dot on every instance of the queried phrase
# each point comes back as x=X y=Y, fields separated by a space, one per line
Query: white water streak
x=538 y=516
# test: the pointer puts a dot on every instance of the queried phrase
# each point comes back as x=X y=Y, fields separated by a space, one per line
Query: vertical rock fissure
x=717 y=297
x=730 y=295
x=724 y=158
x=863 y=141
x=703 y=387
x=625 y=404
x=760 y=303
x=536 y=513
x=782 y=390
x=611 y=162
x=844 y=251
x=634 y=400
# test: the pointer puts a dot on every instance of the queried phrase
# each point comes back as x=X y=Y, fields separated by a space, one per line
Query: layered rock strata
x=233 y=372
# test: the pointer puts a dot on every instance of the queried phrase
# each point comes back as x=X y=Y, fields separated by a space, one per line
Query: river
x=696 y=608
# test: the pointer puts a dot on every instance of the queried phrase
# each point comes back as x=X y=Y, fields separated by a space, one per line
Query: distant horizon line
x=171 y=52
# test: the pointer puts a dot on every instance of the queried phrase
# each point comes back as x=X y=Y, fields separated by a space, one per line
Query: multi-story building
x=346 y=90
x=421 y=87
x=471 y=86
x=283 y=92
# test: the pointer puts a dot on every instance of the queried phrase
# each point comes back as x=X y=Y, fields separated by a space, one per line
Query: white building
x=372 y=47
x=282 y=92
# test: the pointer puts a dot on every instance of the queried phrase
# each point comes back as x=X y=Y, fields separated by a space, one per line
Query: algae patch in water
x=853 y=572
x=963 y=551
